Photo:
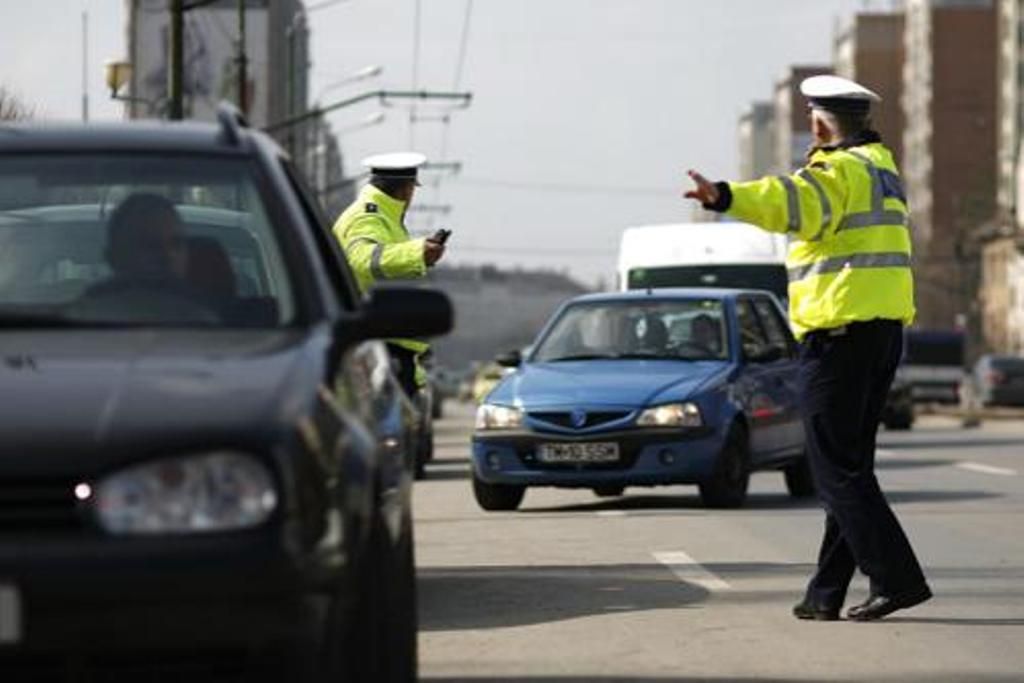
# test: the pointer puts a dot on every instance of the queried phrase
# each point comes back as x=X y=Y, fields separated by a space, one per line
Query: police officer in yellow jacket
x=850 y=294
x=372 y=233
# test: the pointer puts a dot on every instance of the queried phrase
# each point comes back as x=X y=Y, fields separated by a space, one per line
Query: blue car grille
x=565 y=419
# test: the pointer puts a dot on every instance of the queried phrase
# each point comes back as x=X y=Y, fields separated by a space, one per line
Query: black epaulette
x=371 y=207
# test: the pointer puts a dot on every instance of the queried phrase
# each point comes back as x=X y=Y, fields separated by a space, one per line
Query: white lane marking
x=986 y=469
x=884 y=453
x=611 y=513
x=689 y=570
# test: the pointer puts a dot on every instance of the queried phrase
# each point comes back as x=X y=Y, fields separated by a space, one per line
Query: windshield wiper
x=582 y=356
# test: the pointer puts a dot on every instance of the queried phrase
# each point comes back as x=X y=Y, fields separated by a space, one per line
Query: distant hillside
x=496 y=310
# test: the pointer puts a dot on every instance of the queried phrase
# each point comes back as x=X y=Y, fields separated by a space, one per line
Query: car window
x=752 y=337
x=774 y=326
x=670 y=329
x=140 y=239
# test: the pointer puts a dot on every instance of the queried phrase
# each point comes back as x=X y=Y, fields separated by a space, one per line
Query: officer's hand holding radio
x=433 y=248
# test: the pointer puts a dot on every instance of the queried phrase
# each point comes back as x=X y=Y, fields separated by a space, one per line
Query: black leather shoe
x=806 y=610
x=878 y=606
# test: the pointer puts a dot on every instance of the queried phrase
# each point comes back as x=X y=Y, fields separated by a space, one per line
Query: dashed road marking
x=611 y=513
x=986 y=469
x=689 y=570
x=884 y=453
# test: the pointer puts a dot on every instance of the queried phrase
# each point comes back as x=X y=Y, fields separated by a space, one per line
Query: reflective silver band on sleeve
x=884 y=259
x=375 y=266
x=826 y=205
x=792 y=203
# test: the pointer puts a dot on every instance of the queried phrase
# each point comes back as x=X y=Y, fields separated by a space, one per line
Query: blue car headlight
x=671 y=415
x=211 y=492
x=490 y=416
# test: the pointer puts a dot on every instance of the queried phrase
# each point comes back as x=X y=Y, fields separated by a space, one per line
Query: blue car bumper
x=653 y=457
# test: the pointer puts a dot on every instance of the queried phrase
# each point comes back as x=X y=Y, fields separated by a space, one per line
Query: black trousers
x=844 y=378
x=404 y=362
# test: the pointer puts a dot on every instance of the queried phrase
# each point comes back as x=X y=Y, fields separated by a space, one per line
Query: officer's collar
x=389 y=204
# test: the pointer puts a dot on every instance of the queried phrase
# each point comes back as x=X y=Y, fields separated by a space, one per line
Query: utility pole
x=176 y=66
x=243 y=90
x=85 y=67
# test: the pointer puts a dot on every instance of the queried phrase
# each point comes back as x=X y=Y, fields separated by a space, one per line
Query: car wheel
x=799 y=482
x=727 y=486
x=378 y=640
x=497 y=497
x=608 y=491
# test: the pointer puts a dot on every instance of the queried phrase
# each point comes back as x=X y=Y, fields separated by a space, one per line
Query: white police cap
x=395 y=164
x=834 y=93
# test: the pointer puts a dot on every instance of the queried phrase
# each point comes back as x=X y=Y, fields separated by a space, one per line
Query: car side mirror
x=399 y=312
x=511 y=359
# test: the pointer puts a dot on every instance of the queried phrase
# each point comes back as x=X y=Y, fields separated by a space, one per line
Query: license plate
x=10 y=614
x=556 y=453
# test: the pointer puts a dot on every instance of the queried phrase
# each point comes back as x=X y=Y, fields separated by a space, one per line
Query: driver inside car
x=704 y=331
x=148 y=253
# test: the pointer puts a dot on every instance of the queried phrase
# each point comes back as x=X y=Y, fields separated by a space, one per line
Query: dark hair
x=133 y=232
x=392 y=187
x=851 y=123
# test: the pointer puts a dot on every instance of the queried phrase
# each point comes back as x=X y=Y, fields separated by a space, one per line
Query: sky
x=585 y=113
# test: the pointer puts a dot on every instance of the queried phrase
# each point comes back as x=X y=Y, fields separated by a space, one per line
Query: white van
x=733 y=255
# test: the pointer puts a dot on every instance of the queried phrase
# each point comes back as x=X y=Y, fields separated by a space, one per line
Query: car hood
x=625 y=383
x=105 y=395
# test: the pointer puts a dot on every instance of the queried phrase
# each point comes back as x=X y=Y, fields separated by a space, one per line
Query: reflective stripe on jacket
x=377 y=245
x=850 y=247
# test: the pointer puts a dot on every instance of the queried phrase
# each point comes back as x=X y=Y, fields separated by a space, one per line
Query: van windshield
x=769 y=276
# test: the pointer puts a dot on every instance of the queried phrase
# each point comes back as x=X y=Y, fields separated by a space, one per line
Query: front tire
x=727 y=486
x=378 y=641
x=497 y=497
x=799 y=482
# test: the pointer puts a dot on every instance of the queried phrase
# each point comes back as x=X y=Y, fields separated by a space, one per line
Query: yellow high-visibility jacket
x=373 y=236
x=849 y=254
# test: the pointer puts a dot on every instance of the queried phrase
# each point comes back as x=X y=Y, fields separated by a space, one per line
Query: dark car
x=205 y=463
x=999 y=380
x=668 y=386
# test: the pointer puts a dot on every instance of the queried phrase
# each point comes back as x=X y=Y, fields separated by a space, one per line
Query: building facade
x=1002 y=291
x=949 y=150
x=277 y=74
x=792 y=132
x=755 y=131
x=869 y=50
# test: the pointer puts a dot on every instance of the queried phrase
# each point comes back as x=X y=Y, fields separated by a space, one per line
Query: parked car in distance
x=999 y=380
x=205 y=459
x=933 y=364
x=668 y=386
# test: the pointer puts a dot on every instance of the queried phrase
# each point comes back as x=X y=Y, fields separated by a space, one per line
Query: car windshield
x=677 y=330
x=137 y=239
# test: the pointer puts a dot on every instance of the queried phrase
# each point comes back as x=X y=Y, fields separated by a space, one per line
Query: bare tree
x=11 y=107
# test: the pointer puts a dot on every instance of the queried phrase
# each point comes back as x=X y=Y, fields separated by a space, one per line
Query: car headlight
x=221 y=491
x=491 y=416
x=671 y=415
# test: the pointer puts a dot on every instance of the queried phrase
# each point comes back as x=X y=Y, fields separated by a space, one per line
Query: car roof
x=666 y=294
x=130 y=136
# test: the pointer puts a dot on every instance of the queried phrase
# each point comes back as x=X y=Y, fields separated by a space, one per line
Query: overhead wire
x=416 y=34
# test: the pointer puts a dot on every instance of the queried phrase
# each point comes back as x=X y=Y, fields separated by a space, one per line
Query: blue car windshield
x=684 y=329
x=138 y=240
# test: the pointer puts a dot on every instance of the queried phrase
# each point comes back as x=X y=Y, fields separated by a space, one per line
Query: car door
x=755 y=387
x=783 y=381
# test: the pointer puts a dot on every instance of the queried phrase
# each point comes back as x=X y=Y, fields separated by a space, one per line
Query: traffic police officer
x=373 y=235
x=850 y=294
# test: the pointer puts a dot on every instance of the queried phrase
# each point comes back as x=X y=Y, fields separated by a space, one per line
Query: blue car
x=646 y=388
